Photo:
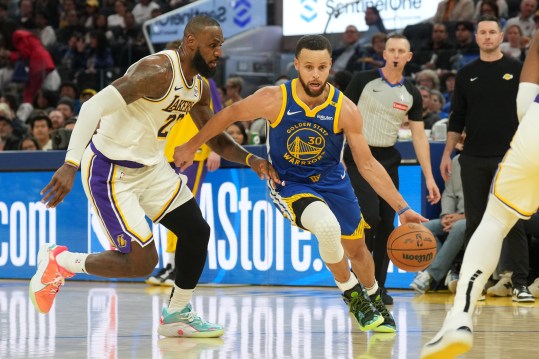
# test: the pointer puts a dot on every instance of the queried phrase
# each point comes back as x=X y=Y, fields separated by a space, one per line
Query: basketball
x=411 y=247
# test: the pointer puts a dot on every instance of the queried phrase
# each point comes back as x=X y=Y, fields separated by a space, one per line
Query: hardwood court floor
x=119 y=320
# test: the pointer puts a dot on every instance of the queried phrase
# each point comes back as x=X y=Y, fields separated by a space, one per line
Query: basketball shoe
x=367 y=316
x=451 y=280
x=521 y=294
x=388 y=326
x=48 y=279
x=455 y=338
x=159 y=277
x=504 y=286
x=186 y=323
x=421 y=282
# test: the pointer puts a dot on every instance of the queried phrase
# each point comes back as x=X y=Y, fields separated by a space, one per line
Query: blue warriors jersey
x=305 y=144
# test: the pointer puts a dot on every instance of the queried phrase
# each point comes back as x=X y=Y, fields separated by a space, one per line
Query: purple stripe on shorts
x=537 y=99
x=99 y=182
x=128 y=164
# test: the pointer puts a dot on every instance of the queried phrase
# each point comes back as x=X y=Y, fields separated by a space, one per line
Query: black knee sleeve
x=193 y=233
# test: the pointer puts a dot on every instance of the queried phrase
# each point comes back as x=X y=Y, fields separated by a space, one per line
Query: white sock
x=180 y=298
x=170 y=259
x=482 y=254
x=72 y=262
x=349 y=284
x=372 y=290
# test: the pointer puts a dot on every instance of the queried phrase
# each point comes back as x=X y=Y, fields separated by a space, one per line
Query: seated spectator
x=143 y=10
x=91 y=10
x=428 y=78
x=29 y=143
x=374 y=23
x=8 y=140
x=19 y=128
x=100 y=22
x=524 y=19
x=99 y=58
x=86 y=94
x=234 y=85
x=429 y=117
x=454 y=10
x=489 y=7
x=130 y=43
x=449 y=231
x=373 y=56
x=67 y=6
x=70 y=90
x=503 y=9
x=44 y=100
x=40 y=128
x=25 y=19
x=515 y=46
x=8 y=26
x=47 y=35
x=57 y=118
x=66 y=107
x=72 y=26
x=437 y=52
x=117 y=19
x=437 y=102
x=238 y=133
x=449 y=88
x=467 y=49
x=70 y=124
x=341 y=80
x=344 y=57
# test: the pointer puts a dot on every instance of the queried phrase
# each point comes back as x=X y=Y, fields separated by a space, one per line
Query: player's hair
x=313 y=42
x=198 y=23
x=488 y=18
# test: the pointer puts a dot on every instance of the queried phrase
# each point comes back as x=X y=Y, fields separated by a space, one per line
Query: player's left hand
x=411 y=216
x=183 y=156
x=264 y=169
x=434 y=195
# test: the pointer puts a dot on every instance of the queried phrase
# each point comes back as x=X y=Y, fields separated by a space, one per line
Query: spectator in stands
x=7 y=27
x=467 y=49
x=374 y=23
x=100 y=22
x=67 y=6
x=25 y=19
x=47 y=35
x=19 y=128
x=428 y=78
x=51 y=10
x=373 y=57
x=99 y=59
x=71 y=26
x=345 y=57
x=437 y=102
x=449 y=87
x=70 y=90
x=524 y=19
x=489 y=7
x=44 y=100
x=74 y=56
x=70 y=124
x=238 y=133
x=449 y=231
x=515 y=46
x=117 y=19
x=57 y=118
x=437 y=52
x=29 y=143
x=234 y=85
x=143 y=10
x=429 y=117
x=40 y=128
x=454 y=10
x=501 y=5
x=341 y=79
x=130 y=43
x=65 y=106
x=92 y=9
x=8 y=140
x=86 y=94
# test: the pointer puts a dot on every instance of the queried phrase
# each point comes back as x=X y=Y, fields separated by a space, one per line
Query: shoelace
x=361 y=304
x=192 y=315
x=379 y=305
x=56 y=283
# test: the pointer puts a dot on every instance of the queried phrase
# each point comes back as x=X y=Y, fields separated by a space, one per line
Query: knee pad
x=320 y=221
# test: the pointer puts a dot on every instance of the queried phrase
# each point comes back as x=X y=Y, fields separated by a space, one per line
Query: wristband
x=247 y=159
x=403 y=210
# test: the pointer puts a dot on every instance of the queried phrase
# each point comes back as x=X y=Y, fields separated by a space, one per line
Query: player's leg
x=514 y=195
x=193 y=233
x=316 y=216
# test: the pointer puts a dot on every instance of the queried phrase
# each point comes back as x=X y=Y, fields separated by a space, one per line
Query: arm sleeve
x=527 y=91
x=355 y=88
x=105 y=102
x=416 y=111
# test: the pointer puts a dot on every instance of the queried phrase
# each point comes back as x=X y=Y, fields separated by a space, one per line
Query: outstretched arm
x=375 y=174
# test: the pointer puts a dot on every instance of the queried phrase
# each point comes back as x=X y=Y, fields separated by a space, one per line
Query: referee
x=484 y=103
x=386 y=99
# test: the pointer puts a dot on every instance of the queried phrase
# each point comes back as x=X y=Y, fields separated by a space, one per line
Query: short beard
x=201 y=66
x=308 y=90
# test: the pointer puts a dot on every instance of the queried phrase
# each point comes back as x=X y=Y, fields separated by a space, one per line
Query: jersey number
x=167 y=126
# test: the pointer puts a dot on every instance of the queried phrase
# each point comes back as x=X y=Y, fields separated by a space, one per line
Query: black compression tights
x=193 y=233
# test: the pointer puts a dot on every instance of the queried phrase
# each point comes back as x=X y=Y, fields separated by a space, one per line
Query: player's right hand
x=59 y=186
x=264 y=169
x=184 y=156
x=411 y=216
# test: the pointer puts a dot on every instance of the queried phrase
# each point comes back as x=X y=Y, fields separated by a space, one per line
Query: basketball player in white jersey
x=126 y=176
x=514 y=194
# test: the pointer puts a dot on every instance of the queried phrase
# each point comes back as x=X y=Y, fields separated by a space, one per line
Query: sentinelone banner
x=301 y=17
x=235 y=16
x=251 y=243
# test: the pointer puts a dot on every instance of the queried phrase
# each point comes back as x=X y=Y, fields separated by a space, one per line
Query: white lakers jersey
x=137 y=132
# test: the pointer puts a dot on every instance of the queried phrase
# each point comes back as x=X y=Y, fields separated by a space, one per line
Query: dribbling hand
x=411 y=216
x=264 y=169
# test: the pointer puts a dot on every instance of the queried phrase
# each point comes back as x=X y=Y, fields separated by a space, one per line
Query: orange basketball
x=411 y=247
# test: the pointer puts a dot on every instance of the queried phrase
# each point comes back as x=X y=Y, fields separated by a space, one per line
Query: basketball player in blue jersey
x=126 y=176
x=308 y=123
x=514 y=195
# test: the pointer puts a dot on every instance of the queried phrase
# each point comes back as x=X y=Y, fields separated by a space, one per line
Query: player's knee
x=143 y=262
x=328 y=233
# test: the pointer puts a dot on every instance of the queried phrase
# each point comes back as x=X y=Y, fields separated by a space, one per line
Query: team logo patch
x=305 y=144
x=120 y=241
x=400 y=106
x=507 y=77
